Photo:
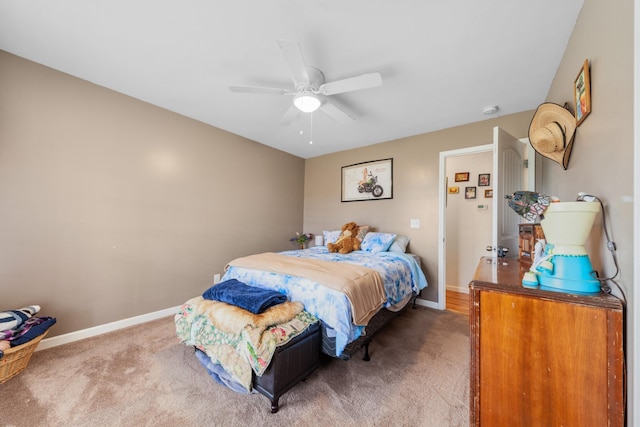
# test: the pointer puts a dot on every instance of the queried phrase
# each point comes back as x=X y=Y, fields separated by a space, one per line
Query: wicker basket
x=15 y=359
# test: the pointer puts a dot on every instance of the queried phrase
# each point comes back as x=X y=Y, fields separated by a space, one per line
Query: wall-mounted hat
x=551 y=132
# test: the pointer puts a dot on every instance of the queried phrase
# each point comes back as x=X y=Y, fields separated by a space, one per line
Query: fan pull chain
x=311 y=129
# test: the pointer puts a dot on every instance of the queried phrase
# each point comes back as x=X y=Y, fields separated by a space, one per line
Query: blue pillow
x=331 y=236
x=399 y=244
x=377 y=242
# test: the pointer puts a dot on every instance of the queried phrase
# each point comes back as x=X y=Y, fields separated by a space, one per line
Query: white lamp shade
x=319 y=240
x=307 y=103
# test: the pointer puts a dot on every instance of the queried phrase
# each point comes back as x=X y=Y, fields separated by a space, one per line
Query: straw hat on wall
x=552 y=131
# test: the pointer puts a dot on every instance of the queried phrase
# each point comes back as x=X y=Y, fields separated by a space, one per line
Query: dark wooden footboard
x=291 y=363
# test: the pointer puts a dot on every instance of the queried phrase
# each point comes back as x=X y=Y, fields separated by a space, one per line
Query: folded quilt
x=11 y=319
x=250 y=298
x=241 y=342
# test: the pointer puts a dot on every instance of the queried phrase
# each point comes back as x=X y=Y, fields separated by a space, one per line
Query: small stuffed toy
x=347 y=241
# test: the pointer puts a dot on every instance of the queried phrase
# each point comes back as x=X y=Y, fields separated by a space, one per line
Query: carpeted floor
x=141 y=376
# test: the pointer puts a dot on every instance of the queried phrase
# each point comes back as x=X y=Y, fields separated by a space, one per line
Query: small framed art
x=488 y=194
x=582 y=93
x=454 y=190
x=462 y=176
x=470 y=192
x=484 y=179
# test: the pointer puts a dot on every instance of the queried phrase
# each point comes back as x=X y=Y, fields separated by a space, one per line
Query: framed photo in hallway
x=462 y=176
x=470 y=192
x=484 y=179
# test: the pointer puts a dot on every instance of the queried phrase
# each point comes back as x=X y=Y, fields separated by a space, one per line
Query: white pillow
x=331 y=236
x=399 y=244
x=377 y=242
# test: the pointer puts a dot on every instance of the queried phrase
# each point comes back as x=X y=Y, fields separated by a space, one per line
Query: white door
x=511 y=173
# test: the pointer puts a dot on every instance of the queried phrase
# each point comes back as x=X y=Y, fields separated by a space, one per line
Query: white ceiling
x=441 y=61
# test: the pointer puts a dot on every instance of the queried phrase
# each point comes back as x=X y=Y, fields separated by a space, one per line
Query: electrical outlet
x=216 y=278
x=414 y=223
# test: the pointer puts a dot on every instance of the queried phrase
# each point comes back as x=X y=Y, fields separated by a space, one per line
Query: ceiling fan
x=310 y=91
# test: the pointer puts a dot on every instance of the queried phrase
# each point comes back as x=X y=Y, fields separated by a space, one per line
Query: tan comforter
x=363 y=286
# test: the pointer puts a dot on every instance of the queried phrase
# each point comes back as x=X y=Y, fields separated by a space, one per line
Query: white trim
x=633 y=333
x=132 y=321
x=442 y=194
x=103 y=329
x=426 y=303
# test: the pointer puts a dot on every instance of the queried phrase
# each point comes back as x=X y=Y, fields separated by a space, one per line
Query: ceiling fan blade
x=364 y=81
x=290 y=116
x=336 y=113
x=293 y=56
x=253 y=89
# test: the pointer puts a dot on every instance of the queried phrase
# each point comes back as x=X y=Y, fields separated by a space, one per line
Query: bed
x=400 y=273
x=350 y=296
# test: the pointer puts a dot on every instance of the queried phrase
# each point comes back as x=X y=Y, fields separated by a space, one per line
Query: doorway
x=513 y=169
x=466 y=216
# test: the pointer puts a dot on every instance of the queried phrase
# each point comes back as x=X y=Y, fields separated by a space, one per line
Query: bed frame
x=290 y=364
x=376 y=323
x=296 y=360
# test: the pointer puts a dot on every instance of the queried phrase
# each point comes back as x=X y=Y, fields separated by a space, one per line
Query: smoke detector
x=489 y=110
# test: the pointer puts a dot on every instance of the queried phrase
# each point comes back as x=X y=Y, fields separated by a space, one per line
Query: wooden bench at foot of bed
x=290 y=364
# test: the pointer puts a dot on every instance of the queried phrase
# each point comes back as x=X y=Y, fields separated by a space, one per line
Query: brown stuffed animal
x=347 y=241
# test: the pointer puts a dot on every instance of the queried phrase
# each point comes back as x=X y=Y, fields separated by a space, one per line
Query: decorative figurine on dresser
x=546 y=342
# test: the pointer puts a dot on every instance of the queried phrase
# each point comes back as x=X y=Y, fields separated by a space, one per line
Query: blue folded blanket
x=251 y=298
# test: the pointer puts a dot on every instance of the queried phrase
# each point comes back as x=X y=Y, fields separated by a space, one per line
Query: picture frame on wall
x=582 y=93
x=484 y=179
x=454 y=190
x=371 y=180
x=462 y=176
x=470 y=192
x=488 y=194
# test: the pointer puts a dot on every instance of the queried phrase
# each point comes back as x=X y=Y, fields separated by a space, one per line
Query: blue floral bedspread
x=400 y=274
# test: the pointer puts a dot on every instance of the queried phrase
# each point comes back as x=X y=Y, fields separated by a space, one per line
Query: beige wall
x=602 y=158
x=111 y=207
x=601 y=161
x=415 y=187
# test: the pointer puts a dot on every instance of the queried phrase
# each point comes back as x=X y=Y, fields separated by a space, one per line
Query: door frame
x=442 y=207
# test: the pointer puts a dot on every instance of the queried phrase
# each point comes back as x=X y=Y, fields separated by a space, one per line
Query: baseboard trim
x=429 y=304
x=103 y=329
x=136 y=320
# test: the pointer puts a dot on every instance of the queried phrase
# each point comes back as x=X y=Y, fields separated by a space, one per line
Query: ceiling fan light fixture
x=307 y=103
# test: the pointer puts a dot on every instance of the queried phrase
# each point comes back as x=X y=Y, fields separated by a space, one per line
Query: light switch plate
x=415 y=223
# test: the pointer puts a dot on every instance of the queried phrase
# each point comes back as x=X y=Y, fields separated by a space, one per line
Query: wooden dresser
x=543 y=358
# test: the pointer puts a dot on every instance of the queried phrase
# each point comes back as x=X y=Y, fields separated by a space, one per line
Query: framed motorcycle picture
x=368 y=181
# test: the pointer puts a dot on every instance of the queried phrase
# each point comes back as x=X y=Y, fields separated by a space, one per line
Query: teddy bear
x=347 y=242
